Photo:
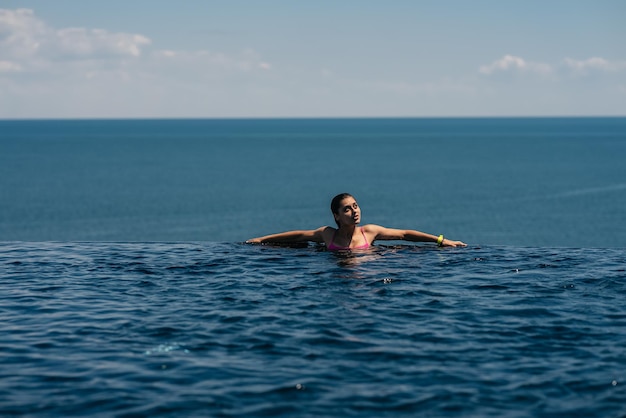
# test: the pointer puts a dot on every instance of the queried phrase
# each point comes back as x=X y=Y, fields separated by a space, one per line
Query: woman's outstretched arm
x=382 y=233
x=314 y=235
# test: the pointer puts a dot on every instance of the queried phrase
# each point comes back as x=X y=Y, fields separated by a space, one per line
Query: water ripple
x=218 y=329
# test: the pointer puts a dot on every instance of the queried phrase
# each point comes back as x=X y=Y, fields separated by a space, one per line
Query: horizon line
x=103 y=118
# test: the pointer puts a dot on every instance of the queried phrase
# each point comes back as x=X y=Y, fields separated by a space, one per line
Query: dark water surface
x=226 y=329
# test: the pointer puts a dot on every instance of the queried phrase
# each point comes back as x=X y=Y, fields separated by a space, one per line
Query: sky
x=351 y=58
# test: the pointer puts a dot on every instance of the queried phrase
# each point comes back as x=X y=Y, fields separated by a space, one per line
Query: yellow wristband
x=440 y=240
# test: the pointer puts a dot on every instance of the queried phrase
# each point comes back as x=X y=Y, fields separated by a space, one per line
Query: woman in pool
x=348 y=235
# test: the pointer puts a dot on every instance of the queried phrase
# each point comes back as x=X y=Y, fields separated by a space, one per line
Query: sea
x=127 y=288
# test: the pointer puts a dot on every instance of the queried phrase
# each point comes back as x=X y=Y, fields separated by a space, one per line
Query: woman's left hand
x=450 y=243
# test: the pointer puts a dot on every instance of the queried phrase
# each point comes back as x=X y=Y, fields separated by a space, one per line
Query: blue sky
x=75 y=59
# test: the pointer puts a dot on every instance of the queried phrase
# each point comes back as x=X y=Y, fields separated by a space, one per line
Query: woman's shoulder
x=325 y=233
x=326 y=230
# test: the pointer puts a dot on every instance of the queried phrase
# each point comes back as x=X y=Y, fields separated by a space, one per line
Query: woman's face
x=349 y=212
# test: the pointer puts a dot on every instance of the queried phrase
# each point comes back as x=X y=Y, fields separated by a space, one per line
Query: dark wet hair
x=336 y=203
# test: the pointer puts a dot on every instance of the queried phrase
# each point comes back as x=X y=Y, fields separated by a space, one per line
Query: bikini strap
x=364 y=236
x=332 y=240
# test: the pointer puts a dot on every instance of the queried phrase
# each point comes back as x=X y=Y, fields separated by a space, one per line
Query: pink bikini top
x=333 y=247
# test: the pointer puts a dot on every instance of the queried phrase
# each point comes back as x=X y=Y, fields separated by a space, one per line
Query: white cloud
x=64 y=55
x=100 y=73
x=594 y=64
x=21 y=33
x=26 y=40
x=568 y=66
x=511 y=63
x=89 y=42
x=166 y=53
x=9 y=67
x=245 y=61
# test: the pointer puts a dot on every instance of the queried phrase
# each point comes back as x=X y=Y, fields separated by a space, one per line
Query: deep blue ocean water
x=126 y=289
x=558 y=182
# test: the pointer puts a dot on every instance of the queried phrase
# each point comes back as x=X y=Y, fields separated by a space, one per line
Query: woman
x=347 y=235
